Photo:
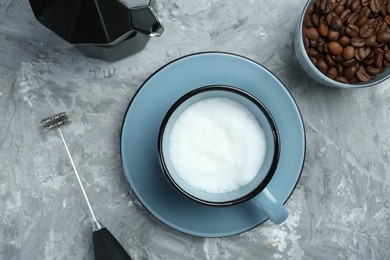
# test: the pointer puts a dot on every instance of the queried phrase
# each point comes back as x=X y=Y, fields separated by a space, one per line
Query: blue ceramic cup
x=256 y=189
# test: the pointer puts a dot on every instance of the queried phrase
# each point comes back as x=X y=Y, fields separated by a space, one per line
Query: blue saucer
x=146 y=112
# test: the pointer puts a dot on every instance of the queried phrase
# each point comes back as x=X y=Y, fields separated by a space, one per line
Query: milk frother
x=105 y=245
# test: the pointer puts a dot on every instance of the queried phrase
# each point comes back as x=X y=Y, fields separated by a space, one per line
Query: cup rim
x=269 y=118
x=328 y=80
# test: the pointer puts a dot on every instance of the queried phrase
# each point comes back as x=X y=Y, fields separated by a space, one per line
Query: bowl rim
x=269 y=118
x=328 y=80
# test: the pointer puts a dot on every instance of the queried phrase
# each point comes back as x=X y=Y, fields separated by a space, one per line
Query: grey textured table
x=339 y=210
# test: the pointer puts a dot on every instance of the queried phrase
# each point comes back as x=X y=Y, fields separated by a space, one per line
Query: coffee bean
x=352 y=30
x=322 y=66
x=387 y=55
x=342 y=79
x=332 y=73
x=323 y=28
x=380 y=25
x=307 y=21
x=335 y=48
x=339 y=9
x=378 y=60
x=312 y=52
x=365 y=2
x=333 y=35
x=383 y=37
x=358 y=42
x=339 y=58
x=375 y=6
x=325 y=6
x=345 y=14
x=344 y=40
x=360 y=54
x=329 y=17
x=336 y=23
x=349 y=72
x=329 y=60
x=352 y=18
x=383 y=10
x=315 y=20
x=371 y=41
x=355 y=6
x=365 y=12
x=312 y=33
x=362 y=75
x=347 y=63
x=369 y=61
x=313 y=43
x=374 y=70
x=388 y=8
x=387 y=19
x=362 y=21
x=348 y=52
x=366 y=31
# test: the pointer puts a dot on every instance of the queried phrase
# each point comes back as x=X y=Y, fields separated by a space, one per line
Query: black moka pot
x=103 y=29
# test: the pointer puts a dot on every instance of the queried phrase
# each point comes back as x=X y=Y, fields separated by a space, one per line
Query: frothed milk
x=217 y=145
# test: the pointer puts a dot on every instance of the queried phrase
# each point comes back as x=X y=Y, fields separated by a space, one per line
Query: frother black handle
x=106 y=247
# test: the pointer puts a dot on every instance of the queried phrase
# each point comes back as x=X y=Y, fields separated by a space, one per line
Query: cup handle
x=272 y=208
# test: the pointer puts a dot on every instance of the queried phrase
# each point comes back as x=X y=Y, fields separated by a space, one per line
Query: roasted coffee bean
x=388 y=8
x=325 y=6
x=323 y=28
x=383 y=10
x=329 y=17
x=348 y=52
x=369 y=61
x=322 y=66
x=353 y=80
x=336 y=23
x=356 y=6
x=387 y=55
x=342 y=79
x=365 y=12
x=339 y=9
x=312 y=33
x=349 y=72
x=374 y=70
x=313 y=44
x=352 y=18
x=352 y=30
x=315 y=19
x=378 y=60
x=339 y=58
x=387 y=19
x=332 y=73
x=383 y=37
x=366 y=31
x=362 y=21
x=333 y=35
x=360 y=54
x=380 y=25
x=335 y=48
x=345 y=14
x=375 y=6
x=371 y=41
x=362 y=75
x=307 y=21
x=358 y=42
x=344 y=40
x=320 y=46
x=347 y=63
x=365 y=2
x=306 y=42
x=329 y=60
x=312 y=52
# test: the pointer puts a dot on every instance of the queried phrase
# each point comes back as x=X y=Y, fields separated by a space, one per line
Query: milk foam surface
x=217 y=145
